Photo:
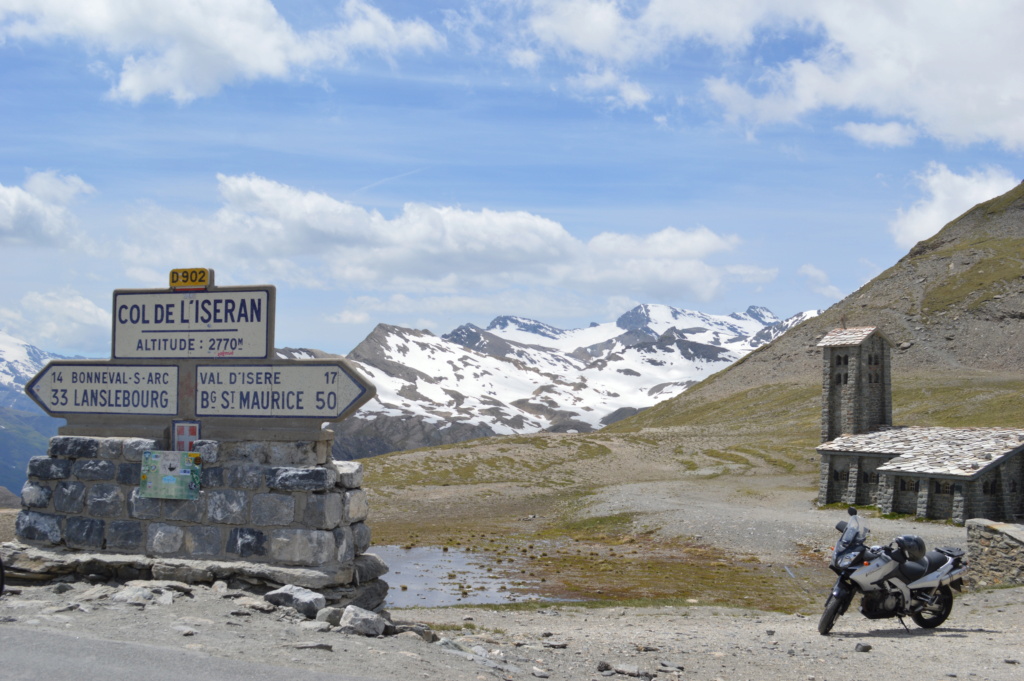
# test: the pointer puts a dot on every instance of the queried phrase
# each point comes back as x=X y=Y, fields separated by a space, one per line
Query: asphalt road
x=33 y=654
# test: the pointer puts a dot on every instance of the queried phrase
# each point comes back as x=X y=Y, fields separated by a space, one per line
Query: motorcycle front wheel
x=828 y=618
x=934 y=615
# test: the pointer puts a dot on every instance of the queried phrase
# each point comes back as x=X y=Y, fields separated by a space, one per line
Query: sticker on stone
x=170 y=475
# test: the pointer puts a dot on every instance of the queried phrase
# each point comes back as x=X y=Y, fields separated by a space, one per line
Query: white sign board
x=304 y=390
x=223 y=323
x=105 y=388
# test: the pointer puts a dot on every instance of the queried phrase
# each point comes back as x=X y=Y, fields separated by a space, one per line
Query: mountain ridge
x=518 y=376
x=521 y=376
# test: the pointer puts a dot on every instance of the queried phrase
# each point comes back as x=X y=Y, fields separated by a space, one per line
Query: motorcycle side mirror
x=841 y=526
x=851 y=511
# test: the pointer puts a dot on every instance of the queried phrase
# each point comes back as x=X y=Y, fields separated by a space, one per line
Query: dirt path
x=772 y=517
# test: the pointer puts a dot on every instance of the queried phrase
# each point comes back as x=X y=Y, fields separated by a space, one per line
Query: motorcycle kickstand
x=900 y=618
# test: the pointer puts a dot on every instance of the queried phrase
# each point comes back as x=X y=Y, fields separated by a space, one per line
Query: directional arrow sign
x=325 y=390
x=105 y=388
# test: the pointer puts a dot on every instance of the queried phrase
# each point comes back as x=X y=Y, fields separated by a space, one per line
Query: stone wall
x=995 y=553
x=999 y=492
x=850 y=479
x=285 y=504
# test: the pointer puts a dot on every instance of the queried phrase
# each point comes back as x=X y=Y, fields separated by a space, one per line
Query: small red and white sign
x=185 y=435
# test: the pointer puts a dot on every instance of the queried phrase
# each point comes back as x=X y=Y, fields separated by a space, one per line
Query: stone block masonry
x=283 y=504
x=995 y=553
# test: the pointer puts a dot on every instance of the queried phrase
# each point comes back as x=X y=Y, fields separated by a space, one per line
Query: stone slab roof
x=854 y=335
x=963 y=452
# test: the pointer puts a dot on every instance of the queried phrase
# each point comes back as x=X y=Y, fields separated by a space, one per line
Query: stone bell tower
x=856 y=388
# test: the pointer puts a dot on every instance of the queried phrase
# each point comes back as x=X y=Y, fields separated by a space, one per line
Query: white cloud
x=820 y=282
x=618 y=91
x=891 y=134
x=622 y=32
x=57 y=320
x=38 y=214
x=410 y=310
x=524 y=59
x=270 y=230
x=948 y=73
x=752 y=275
x=945 y=71
x=350 y=317
x=658 y=264
x=670 y=243
x=946 y=196
x=190 y=49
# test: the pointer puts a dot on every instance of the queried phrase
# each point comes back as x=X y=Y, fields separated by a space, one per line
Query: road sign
x=71 y=387
x=221 y=323
x=325 y=390
x=191 y=278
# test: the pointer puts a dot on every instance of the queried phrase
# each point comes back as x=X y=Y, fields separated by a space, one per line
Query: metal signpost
x=198 y=354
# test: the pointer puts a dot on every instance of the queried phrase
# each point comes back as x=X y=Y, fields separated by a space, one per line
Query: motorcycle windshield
x=854 y=535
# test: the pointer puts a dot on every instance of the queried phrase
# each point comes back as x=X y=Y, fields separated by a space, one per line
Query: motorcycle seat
x=913 y=570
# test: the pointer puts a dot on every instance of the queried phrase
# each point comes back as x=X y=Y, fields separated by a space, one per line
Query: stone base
x=35 y=564
x=995 y=552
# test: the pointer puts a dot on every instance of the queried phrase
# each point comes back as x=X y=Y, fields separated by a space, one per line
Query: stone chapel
x=929 y=472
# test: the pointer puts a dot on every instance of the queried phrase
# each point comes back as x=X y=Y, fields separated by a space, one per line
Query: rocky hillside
x=954 y=307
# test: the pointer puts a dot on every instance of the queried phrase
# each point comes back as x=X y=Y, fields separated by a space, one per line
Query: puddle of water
x=432 y=577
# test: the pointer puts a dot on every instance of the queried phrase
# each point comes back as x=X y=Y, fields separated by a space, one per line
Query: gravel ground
x=770 y=517
x=982 y=639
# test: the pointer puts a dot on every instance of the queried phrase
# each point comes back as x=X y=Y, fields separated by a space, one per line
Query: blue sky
x=428 y=164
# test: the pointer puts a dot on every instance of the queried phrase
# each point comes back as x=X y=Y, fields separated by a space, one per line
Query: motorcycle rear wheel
x=934 y=615
x=828 y=618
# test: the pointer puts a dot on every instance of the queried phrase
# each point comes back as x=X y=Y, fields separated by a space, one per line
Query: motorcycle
x=898 y=580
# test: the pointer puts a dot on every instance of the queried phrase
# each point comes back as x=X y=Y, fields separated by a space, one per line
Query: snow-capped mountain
x=522 y=376
x=19 y=362
x=517 y=376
